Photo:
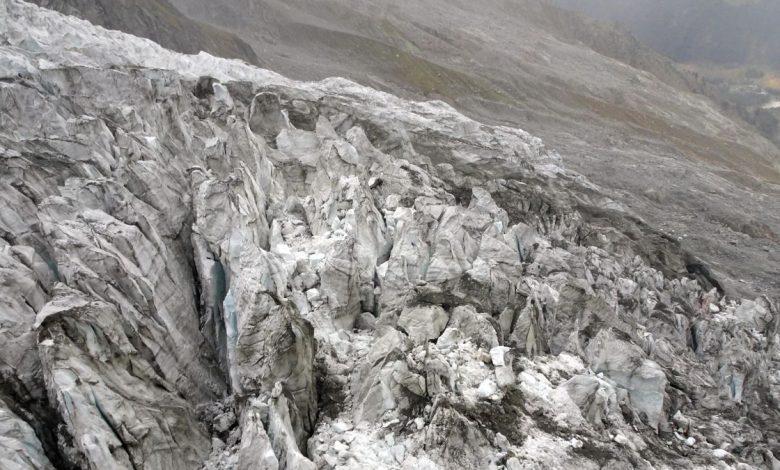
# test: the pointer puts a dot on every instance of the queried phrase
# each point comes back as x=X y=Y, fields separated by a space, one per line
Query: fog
x=721 y=31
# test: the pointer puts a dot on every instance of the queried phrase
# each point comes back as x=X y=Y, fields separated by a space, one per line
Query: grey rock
x=477 y=326
x=224 y=422
x=423 y=323
x=366 y=321
x=265 y=115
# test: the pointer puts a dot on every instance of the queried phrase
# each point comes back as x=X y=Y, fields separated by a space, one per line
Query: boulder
x=265 y=115
x=423 y=322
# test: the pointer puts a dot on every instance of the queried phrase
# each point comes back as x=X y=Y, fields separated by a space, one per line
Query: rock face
x=206 y=265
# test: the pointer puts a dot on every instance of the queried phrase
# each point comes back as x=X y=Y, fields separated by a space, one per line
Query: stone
x=342 y=427
x=505 y=376
x=487 y=389
x=423 y=323
x=224 y=421
x=502 y=442
x=720 y=454
x=265 y=115
x=622 y=440
x=714 y=308
x=474 y=325
x=681 y=421
x=497 y=355
x=512 y=463
x=366 y=321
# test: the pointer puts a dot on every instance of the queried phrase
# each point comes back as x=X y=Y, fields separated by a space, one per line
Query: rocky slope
x=206 y=265
x=618 y=112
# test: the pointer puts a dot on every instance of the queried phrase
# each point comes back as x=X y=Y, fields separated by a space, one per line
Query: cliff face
x=206 y=265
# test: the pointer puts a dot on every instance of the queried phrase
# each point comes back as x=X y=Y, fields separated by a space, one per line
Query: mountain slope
x=728 y=46
x=637 y=131
x=719 y=31
x=669 y=154
x=204 y=264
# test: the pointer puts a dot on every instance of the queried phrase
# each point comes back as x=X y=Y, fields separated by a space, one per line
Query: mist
x=736 y=32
